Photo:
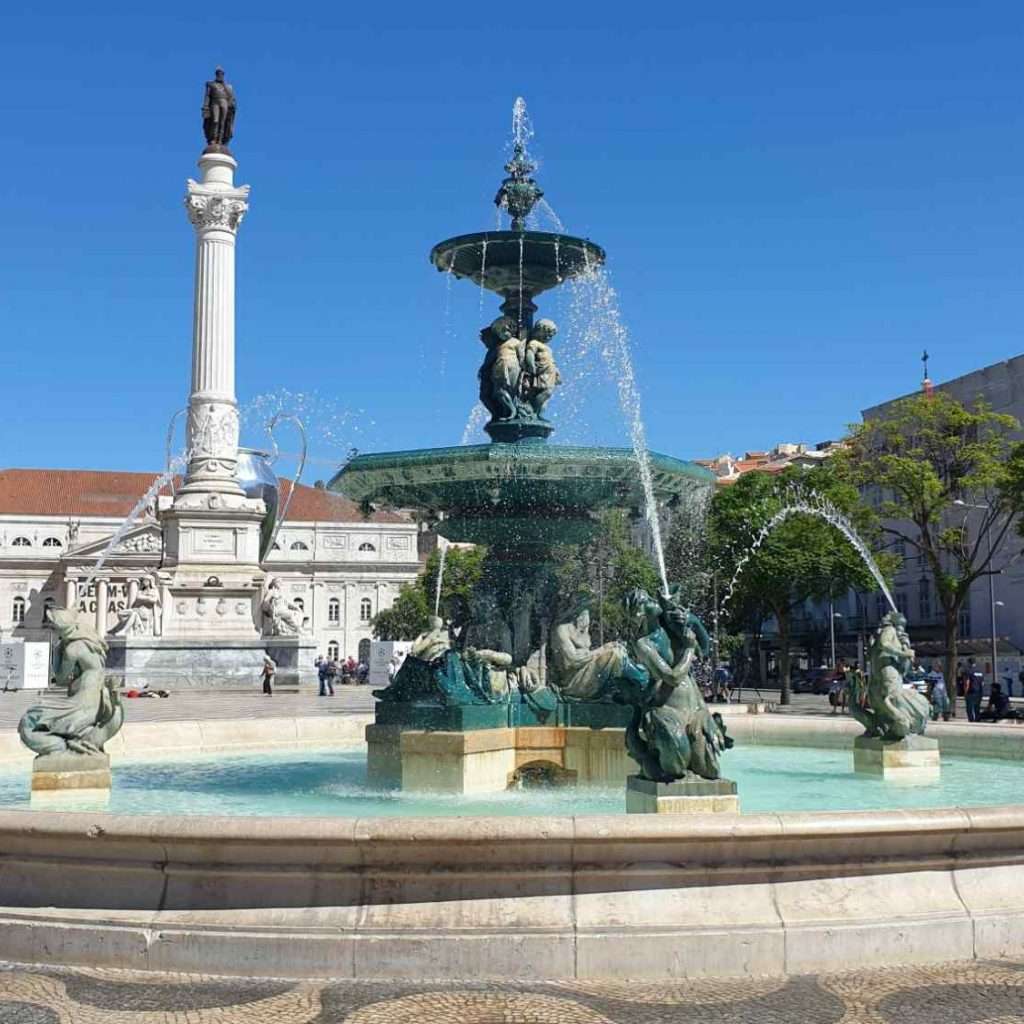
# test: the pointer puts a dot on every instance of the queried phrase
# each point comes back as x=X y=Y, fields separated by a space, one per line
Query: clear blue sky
x=796 y=198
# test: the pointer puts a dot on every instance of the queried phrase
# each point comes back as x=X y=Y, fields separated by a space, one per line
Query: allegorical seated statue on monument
x=672 y=733
x=90 y=712
x=281 y=617
x=143 y=617
x=881 y=703
x=219 y=106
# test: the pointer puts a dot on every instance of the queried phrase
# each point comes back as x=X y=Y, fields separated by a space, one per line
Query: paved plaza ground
x=188 y=705
x=979 y=992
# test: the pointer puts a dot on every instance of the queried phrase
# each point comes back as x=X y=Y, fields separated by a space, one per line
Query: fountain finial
x=519 y=193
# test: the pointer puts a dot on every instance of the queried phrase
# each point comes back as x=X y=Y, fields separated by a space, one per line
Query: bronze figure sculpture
x=219 y=106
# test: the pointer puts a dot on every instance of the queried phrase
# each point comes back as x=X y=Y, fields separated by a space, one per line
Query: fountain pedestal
x=84 y=777
x=688 y=796
x=912 y=760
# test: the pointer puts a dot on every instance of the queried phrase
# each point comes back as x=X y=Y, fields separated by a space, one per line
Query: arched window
x=333 y=650
x=334 y=611
x=21 y=542
x=365 y=610
x=299 y=545
x=299 y=603
x=52 y=542
x=367 y=546
x=18 y=611
x=364 y=651
x=48 y=605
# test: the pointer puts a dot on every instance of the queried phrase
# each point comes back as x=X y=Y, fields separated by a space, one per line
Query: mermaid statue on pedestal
x=881 y=703
x=672 y=733
x=90 y=712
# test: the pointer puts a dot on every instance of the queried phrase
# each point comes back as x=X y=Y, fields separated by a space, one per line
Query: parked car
x=818 y=681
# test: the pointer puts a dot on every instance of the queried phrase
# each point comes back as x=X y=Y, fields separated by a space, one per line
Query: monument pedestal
x=73 y=777
x=687 y=796
x=914 y=760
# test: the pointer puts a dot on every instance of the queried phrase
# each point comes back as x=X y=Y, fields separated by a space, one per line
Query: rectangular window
x=901 y=602
x=924 y=600
x=965 y=619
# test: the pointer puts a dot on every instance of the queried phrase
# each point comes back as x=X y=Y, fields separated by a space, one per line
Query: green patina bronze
x=886 y=708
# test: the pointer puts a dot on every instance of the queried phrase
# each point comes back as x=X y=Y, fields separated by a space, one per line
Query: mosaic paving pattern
x=980 y=992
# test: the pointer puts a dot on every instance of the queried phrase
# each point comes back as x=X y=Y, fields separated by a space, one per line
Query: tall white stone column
x=215 y=207
x=102 y=596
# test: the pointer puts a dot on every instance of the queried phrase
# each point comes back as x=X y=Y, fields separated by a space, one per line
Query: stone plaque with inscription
x=214 y=540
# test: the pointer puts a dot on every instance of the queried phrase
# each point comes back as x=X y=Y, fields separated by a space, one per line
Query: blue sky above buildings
x=795 y=202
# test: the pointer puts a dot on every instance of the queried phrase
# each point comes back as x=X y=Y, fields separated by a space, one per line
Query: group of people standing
x=331 y=670
x=970 y=685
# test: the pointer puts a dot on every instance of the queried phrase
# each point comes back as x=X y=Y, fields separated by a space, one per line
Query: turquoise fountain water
x=332 y=783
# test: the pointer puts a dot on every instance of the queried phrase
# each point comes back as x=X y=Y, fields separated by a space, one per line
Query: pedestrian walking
x=938 y=695
x=323 y=673
x=269 y=668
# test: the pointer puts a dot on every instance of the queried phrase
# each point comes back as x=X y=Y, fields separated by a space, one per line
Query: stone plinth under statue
x=64 y=777
x=692 y=795
x=912 y=760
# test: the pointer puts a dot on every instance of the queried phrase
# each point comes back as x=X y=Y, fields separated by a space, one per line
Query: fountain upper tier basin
x=488 y=491
x=514 y=262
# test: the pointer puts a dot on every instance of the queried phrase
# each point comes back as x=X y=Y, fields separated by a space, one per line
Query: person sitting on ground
x=998 y=705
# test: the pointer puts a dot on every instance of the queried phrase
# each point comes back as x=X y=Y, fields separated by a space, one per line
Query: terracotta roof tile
x=88 y=492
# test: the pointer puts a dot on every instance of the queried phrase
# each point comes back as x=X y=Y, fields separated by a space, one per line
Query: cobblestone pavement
x=977 y=992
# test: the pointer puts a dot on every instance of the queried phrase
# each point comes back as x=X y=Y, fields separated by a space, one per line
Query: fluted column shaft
x=215 y=208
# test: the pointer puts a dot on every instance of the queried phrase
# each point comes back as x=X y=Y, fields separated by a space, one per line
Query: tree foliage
x=948 y=478
x=603 y=571
x=408 y=616
x=802 y=558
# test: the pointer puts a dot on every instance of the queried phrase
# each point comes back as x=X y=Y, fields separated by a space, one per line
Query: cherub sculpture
x=501 y=371
x=540 y=375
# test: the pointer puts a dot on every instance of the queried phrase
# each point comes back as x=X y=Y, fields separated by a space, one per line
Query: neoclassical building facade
x=338 y=567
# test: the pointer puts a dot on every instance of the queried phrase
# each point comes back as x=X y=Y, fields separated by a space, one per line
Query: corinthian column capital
x=215 y=208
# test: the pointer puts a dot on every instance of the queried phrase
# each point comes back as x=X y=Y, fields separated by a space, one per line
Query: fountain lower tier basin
x=487 y=490
x=516 y=262
x=569 y=892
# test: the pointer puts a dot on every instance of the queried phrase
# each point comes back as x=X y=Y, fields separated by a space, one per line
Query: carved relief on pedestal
x=213 y=431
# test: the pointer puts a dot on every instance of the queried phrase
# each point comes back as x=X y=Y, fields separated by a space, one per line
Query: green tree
x=604 y=570
x=801 y=559
x=408 y=616
x=929 y=461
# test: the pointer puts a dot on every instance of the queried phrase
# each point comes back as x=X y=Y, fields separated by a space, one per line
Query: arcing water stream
x=811 y=505
x=174 y=466
x=443 y=546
